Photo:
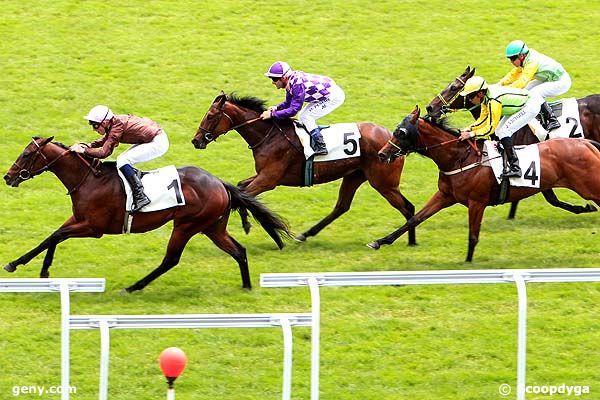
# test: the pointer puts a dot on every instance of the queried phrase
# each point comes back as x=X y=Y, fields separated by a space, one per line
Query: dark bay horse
x=449 y=100
x=99 y=208
x=279 y=158
x=464 y=180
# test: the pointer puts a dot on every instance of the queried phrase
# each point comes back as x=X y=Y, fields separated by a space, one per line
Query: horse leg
x=438 y=202
x=513 y=210
x=551 y=198
x=400 y=203
x=475 y=216
x=68 y=230
x=179 y=239
x=242 y=211
x=350 y=184
x=221 y=238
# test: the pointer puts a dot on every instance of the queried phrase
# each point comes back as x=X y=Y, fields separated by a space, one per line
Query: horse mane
x=249 y=102
x=446 y=125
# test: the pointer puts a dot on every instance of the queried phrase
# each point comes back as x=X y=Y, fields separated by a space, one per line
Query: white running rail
x=518 y=276
x=63 y=286
x=195 y=321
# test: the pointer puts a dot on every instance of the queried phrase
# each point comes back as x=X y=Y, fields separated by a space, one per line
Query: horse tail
x=273 y=224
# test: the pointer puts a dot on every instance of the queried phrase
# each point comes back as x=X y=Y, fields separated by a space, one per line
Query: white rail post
x=287 y=358
x=315 y=296
x=104 y=357
x=522 y=335
x=65 y=307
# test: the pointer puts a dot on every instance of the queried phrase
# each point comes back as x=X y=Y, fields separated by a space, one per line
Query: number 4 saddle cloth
x=162 y=186
x=341 y=140
x=529 y=161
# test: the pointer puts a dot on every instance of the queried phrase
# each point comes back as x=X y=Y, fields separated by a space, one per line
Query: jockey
x=320 y=92
x=504 y=110
x=537 y=73
x=148 y=139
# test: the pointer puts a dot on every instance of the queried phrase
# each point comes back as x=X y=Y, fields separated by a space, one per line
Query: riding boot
x=140 y=200
x=317 y=143
x=512 y=169
x=549 y=117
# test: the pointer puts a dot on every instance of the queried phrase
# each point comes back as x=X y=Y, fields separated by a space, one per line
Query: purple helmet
x=278 y=69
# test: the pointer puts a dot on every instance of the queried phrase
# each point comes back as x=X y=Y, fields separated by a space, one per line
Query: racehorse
x=279 y=158
x=465 y=180
x=99 y=208
x=449 y=100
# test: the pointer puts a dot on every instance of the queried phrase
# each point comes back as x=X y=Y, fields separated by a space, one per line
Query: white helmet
x=99 y=114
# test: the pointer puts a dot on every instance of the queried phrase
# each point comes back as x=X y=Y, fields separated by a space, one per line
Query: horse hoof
x=125 y=291
x=300 y=238
x=10 y=267
x=373 y=245
x=46 y=275
x=247 y=228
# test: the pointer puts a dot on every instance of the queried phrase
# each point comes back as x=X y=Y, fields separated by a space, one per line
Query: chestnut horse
x=99 y=208
x=465 y=180
x=279 y=158
x=449 y=100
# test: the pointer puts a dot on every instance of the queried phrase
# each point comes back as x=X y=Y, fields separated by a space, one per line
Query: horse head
x=449 y=100
x=213 y=124
x=32 y=161
x=228 y=112
x=404 y=139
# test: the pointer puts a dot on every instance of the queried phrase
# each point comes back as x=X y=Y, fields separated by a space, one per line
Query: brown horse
x=465 y=180
x=449 y=100
x=279 y=158
x=99 y=208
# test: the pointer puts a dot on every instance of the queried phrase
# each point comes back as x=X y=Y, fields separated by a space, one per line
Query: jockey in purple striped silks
x=320 y=92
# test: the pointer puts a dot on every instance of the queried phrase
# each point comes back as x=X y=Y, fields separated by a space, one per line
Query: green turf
x=168 y=60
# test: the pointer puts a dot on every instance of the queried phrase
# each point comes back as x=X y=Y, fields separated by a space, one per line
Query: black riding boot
x=549 y=117
x=317 y=143
x=140 y=200
x=512 y=169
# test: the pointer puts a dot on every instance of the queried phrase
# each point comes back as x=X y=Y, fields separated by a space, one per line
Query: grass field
x=168 y=60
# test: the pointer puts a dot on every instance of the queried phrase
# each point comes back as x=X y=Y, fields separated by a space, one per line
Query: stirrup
x=552 y=124
x=143 y=202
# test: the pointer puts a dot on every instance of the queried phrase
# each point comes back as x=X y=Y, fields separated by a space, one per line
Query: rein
x=25 y=174
x=210 y=136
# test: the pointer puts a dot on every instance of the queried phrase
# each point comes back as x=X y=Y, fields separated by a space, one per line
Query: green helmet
x=474 y=84
x=516 y=47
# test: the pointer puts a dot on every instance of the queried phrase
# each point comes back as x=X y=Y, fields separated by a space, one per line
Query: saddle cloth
x=162 y=186
x=342 y=141
x=567 y=113
x=529 y=161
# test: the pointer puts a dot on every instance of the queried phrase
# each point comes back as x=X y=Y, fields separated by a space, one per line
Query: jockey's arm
x=527 y=75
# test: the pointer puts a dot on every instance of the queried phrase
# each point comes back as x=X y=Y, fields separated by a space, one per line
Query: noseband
x=447 y=103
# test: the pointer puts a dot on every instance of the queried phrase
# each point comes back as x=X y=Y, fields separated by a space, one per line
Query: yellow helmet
x=474 y=84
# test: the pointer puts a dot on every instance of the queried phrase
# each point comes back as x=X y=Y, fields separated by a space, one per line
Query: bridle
x=446 y=104
x=25 y=172
x=211 y=136
x=402 y=152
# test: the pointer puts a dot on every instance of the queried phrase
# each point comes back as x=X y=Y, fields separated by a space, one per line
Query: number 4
x=531 y=173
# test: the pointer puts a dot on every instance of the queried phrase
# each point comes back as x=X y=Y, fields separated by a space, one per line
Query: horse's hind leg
x=179 y=238
x=551 y=198
x=348 y=188
x=242 y=211
x=229 y=245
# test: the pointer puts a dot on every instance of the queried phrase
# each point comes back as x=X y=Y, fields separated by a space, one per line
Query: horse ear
x=415 y=115
x=222 y=98
x=51 y=138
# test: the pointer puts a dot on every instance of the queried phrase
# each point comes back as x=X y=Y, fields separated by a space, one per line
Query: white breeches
x=313 y=111
x=144 y=151
x=550 y=89
x=512 y=123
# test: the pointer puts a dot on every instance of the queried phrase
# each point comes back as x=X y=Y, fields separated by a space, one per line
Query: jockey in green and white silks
x=537 y=73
